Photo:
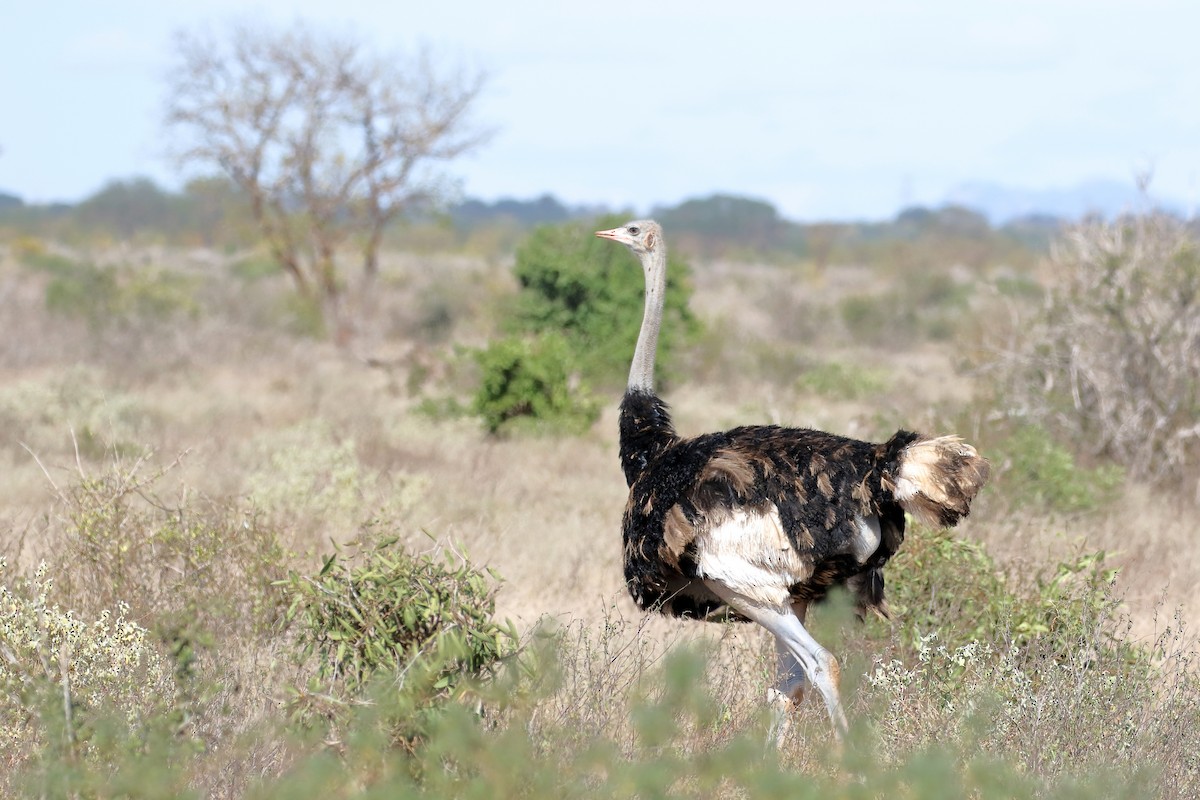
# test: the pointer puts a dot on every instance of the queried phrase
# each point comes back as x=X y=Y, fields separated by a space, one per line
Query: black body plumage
x=820 y=484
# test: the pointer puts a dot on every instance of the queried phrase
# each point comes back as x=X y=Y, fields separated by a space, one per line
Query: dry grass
x=544 y=512
x=319 y=443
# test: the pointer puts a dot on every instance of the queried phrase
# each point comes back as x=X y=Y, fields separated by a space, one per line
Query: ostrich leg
x=817 y=664
x=791 y=684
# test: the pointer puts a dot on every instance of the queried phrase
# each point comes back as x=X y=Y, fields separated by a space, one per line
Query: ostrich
x=762 y=520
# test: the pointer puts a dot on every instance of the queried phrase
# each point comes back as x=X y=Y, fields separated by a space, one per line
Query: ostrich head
x=643 y=237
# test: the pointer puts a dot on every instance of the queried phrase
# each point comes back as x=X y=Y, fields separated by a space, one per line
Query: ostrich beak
x=616 y=234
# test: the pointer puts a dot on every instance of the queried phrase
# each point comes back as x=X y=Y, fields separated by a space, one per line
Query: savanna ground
x=177 y=437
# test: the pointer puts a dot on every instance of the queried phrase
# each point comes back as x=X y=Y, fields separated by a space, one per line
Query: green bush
x=940 y=582
x=389 y=608
x=529 y=382
x=531 y=755
x=104 y=296
x=922 y=306
x=1034 y=469
x=77 y=409
x=591 y=292
x=1040 y=671
x=255 y=268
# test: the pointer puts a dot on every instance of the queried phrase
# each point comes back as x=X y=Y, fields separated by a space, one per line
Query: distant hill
x=8 y=201
x=1002 y=204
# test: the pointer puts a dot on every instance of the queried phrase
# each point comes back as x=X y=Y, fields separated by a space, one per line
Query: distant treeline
x=212 y=212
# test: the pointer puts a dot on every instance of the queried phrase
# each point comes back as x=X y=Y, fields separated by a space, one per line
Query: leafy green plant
x=255 y=268
x=310 y=474
x=529 y=382
x=388 y=608
x=76 y=408
x=924 y=305
x=187 y=572
x=1039 y=471
x=33 y=253
x=531 y=755
x=591 y=293
x=943 y=583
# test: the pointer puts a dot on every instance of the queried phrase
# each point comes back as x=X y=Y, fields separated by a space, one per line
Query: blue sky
x=828 y=110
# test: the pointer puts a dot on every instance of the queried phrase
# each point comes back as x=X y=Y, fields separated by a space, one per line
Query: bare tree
x=330 y=142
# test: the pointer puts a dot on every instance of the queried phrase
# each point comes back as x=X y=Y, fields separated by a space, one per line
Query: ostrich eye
x=633 y=230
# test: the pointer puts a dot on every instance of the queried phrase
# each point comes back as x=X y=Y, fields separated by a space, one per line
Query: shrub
x=1110 y=361
x=33 y=253
x=1043 y=673
x=924 y=305
x=107 y=665
x=529 y=381
x=400 y=632
x=941 y=582
x=104 y=296
x=1034 y=470
x=255 y=268
x=76 y=402
x=591 y=292
x=308 y=475
x=393 y=608
x=204 y=569
x=530 y=755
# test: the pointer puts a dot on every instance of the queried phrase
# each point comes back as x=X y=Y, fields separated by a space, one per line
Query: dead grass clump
x=74 y=409
x=310 y=479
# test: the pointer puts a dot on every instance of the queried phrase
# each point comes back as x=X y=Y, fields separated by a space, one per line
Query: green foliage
x=125 y=207
x=1037 y=470
x=302 y=316
x=401 y=640
x=526 y=756
x=309 y=475
x=393 y=608
x=209 y=212
x=591 y=292
x=722 y=223
x=840 y=381
x=1021 y=287
x=255 y=268
x=33 y=253
x=529 y=381
x=1039 y=671
x=951 y=585
x=105 y=296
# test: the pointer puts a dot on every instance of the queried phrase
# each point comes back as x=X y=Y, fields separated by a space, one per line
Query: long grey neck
x=641 y=372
